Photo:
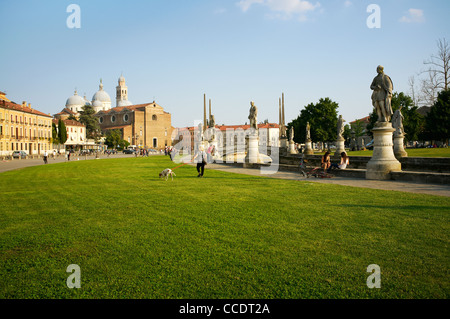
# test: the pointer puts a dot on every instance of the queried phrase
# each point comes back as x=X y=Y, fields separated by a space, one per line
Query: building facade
x=143 y=126
x=76 y=135
x=23 y=128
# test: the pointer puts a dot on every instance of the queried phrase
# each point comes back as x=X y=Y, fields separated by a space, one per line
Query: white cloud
x=283 y=9
x=414 y=16
x=347 y=3
x=246 y=4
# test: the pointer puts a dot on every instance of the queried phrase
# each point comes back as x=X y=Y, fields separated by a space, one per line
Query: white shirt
x=344 y=165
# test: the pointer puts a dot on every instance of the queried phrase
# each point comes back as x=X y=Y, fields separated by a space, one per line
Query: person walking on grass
x=45 y=157
x=201 y=162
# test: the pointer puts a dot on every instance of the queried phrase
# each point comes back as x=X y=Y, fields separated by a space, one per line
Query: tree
x=90 y=121
x=437 y=121
x=62 y=132
x=55 y=134
x=322 y=118
x=347 y=133
x=438 y=72
x=114 y=139
x=72 y=117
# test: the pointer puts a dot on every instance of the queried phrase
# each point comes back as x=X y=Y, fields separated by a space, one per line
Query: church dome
x=97 y=103
x=101 y=95
x=75 y=101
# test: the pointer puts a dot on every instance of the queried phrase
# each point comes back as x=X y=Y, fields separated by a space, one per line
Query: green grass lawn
x=412 y=152
x=223 y=236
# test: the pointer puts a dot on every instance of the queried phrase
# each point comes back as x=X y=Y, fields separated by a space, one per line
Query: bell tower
x=121 y=91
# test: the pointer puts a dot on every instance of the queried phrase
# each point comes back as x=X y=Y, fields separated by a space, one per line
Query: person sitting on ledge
x=326 y=162
x=343 y=164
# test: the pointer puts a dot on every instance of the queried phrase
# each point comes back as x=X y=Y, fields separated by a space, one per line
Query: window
x=100 y=120
x=113 y=118
x=154 y=118
x=126 y=117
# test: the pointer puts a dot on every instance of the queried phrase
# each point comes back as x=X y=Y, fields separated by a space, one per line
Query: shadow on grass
x=390 y=208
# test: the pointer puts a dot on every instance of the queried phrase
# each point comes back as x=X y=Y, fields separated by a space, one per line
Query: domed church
x=101 y=100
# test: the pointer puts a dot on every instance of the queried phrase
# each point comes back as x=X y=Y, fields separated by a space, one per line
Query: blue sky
x=234 y=51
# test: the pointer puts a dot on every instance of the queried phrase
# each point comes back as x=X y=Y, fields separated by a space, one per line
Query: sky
x=234 y=51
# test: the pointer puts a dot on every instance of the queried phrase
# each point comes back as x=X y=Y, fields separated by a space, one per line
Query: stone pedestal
x=292 y=149
x=284 y=143
x=383 y=160
x=253 y=149
x=399 y=150
x=340 y=147
x=308 y=148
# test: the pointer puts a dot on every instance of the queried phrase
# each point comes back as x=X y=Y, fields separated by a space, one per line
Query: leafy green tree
x=90 y=121
x=114 y=139
x=322 y=118
x=437 y=121
x=62 y=132
x=55 y=136
x=72 y=117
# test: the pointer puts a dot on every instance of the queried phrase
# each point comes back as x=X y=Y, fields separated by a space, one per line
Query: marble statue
x=340 y=127
x=397 y=121
x=308 y=132
x=382 y=87
x=291 y=134
x=200 y=132
x=253 y=115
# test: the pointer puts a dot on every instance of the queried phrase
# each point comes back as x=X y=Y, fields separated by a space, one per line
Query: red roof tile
x=21 y=108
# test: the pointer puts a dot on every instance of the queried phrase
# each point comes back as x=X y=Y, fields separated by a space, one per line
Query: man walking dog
x=201 y=162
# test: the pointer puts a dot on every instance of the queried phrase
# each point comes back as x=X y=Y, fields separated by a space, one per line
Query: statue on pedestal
x=340 y=127
x=253 y=115
x=308 y=132
x=397 y=122
x=200 y=132
x=291 y=134
x=382 y=87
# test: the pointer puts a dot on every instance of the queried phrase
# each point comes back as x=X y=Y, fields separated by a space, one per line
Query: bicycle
x=318 y=172
x=302 y=167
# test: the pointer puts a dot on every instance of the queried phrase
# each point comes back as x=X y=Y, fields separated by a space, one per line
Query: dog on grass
x=166 y=173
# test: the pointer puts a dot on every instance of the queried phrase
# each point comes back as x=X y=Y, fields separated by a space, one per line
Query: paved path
x=410 y=187
x=17 y=164
x=431 y=189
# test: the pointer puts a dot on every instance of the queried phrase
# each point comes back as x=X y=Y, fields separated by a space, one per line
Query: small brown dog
x=166 y=173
